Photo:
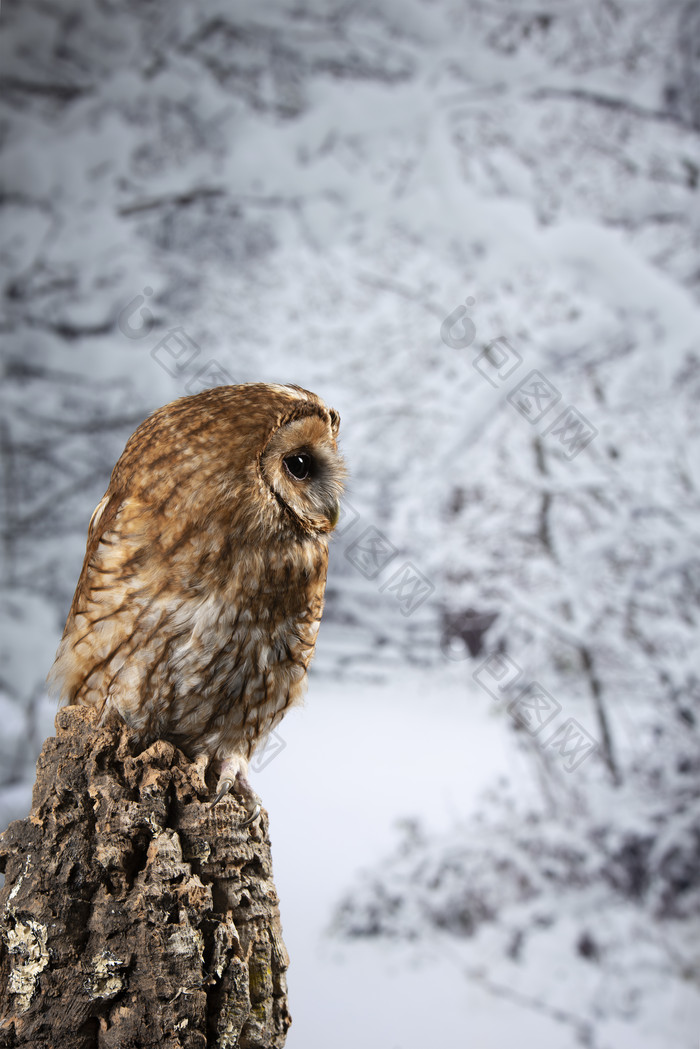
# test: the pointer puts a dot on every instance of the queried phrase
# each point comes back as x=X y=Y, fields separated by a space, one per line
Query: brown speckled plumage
x=197 y=608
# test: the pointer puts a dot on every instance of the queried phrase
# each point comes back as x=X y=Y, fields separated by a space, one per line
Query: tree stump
x=135 y=914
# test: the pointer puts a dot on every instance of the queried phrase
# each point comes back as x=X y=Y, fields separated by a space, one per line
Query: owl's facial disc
x=304 y=470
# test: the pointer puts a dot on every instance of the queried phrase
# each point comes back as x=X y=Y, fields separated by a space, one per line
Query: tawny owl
x=198 y=605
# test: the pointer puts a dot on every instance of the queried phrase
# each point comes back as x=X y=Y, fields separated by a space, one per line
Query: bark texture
x=133 y=913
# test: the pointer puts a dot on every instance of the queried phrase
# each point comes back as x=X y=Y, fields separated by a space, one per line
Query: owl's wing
x=96 y=515
x=101 y=617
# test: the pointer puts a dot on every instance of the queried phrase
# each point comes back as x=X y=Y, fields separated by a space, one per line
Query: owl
x=198 y=605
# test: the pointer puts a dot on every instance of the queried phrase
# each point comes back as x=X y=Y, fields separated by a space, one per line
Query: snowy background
x=474 y=229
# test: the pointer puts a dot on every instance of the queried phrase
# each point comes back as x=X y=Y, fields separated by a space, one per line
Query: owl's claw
x=253 y=815
x=250 y=801
x=225 y=786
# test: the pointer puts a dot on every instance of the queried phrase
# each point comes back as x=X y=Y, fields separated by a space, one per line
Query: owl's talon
x=225 y=787
x=252 y=805
x=253 y=816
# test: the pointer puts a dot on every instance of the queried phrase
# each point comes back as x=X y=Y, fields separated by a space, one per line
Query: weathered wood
x=135 y=914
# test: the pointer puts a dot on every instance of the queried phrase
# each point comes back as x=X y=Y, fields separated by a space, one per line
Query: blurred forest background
x=474 y=229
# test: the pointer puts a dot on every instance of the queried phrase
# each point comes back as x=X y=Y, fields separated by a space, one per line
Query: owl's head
x=255 y=461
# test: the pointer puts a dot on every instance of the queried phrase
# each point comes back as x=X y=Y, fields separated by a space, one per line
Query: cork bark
x=135 y=914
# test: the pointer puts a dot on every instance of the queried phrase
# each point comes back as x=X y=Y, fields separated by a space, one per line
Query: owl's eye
x=298 y=465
